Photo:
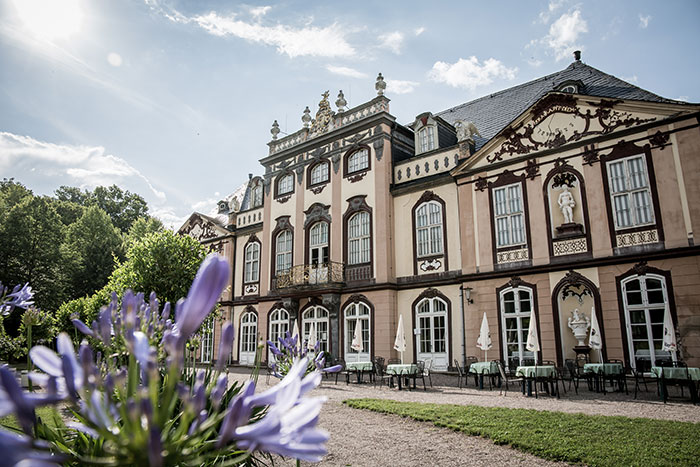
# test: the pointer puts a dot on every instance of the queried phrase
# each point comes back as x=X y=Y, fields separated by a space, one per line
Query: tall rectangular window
x=629 y=192
x=283 y=252
x=252 y=262
x=429 y=229
x=509 y=217
x=359 y=238
x=426 y=136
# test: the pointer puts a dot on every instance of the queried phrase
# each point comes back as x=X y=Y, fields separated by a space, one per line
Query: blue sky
x=174 y=99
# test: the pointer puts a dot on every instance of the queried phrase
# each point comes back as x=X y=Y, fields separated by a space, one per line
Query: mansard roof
x=494 y=112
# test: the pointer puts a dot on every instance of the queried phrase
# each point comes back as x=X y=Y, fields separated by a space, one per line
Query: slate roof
x=494 y=112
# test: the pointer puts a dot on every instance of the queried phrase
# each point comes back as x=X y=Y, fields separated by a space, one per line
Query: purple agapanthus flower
x=20 y=297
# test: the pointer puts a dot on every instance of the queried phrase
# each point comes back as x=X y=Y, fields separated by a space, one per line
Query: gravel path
x=360 y=437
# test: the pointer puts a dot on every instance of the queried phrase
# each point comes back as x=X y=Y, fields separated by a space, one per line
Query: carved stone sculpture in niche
x=567 y=204
x=579 y=324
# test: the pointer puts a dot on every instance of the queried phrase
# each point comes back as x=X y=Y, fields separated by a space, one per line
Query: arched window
x=285 y=184
x=429 y=229
x=645 y=300
x=432 y=341
x=319 y=173
x=318 y=316
x=278 y=327
x=357 y=314
x=358 y=161
x=426 y=138
x=318 y=244
x=248 y=338
x=283 y=252
x=207 y=334
x=516 y=311
x=257 y=194
x=252 y=262
x=359 y=238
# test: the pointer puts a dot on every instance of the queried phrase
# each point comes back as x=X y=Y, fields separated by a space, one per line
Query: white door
x=431 y=340
x=318 y=253
x=279 y=325
x=249 y=337
x=319 y=316
x=354 y=314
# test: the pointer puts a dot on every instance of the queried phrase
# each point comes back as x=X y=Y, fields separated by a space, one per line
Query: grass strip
x=46 y=414
x=595 y=440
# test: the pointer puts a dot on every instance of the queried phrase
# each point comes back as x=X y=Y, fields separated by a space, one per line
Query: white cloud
x=328 y=41
x=114 y=59
x=392 y=41
x=419 y=31
x=396 y=86
x=644 y=21
x=683 y=98
x=469 y=73
x=260 y=11
x=62 y=164
x=630 y=79
x=564 y=34
x=552 y=7
x=345 y=71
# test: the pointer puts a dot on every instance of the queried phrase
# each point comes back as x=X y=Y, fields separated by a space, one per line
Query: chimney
x=577 y=55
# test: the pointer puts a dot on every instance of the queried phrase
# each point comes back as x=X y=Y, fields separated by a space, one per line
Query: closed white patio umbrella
x=312 y=337
x=357 y=343
x=400 y=340
x=669 y=340
x=484 y=340
x=533 y=342
x=595 y=341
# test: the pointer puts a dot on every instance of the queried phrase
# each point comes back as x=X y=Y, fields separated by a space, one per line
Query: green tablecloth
x=544 y=371
x=402 y=369
x=607 y=369
x=484 y=368
x=676 y=373
x=359 y=366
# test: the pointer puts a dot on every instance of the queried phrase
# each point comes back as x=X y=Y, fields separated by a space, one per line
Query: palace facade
x=575 y=191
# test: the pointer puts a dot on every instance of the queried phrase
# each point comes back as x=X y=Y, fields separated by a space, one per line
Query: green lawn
x=595 y=440
x=45 y=413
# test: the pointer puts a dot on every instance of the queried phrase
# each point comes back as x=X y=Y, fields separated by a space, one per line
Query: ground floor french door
x=431 y=339
x=248 y=339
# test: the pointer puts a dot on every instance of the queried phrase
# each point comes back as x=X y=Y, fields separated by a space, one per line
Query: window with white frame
x=431 y=340
x=358 y=160
x=285 y=184
x=426 y=138
x=318 y=243
x=252 y=262
x=429 y=229
x=357 y=314
x=249 y=334
x=283 y=252
x=645 y=300
x=257 y=195
x=317 y=316
x=279 y=325
x=630 y=193
x=207 y=335
x=516 y=312
x=359 y=238
x=509 y=216
x=319 y=173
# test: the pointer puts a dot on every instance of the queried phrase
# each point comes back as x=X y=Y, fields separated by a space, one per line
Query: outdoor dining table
x=690 y=374
x=479 y=369
x=601 y=370
x=401 y=370
x=360 y=368
x=530 y=373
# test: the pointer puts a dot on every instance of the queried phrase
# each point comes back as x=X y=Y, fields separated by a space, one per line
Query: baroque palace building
x=573 y=192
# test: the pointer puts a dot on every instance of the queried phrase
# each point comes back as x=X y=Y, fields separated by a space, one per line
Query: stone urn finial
x=306 y=118
x=380 y=85
x=275 y=129
x=341 y=102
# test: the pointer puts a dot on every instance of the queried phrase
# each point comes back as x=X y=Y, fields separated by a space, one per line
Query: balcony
x=305 y=275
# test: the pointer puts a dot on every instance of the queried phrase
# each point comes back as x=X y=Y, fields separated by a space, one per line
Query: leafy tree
x=141 y=228
x=92 y=243
x=68 y=210
x=11 y=193
x=31 y=234
x=73 y=195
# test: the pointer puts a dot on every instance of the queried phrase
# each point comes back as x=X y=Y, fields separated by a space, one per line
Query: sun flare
x=50 y=19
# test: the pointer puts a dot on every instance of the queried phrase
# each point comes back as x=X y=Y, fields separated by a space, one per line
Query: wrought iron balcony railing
x=311 y=275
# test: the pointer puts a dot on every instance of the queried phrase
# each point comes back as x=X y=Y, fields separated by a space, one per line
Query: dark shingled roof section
x=494 y=112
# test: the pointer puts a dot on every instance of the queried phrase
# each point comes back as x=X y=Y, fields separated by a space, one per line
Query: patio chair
x=343 y=371
x=467 y=366
x=426 y=371
x=638 y=377
x=420 y=373
x=572 y=369
x=620 y=379
x=380 y=374
x=505 y=380
x=460 y=374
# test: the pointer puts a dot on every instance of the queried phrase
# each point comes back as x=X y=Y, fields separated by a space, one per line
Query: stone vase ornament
x=579 y=324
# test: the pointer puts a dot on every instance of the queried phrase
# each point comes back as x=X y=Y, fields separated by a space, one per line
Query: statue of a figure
x=579 y=324
x=567 y=204
x=466 y=131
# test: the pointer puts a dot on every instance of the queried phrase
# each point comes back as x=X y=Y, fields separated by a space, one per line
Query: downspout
x=464 y=326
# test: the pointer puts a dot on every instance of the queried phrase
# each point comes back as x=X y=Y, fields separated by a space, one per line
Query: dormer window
x=223 y=207
x=257 y=194
x=570 y=88
x=426 y=138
